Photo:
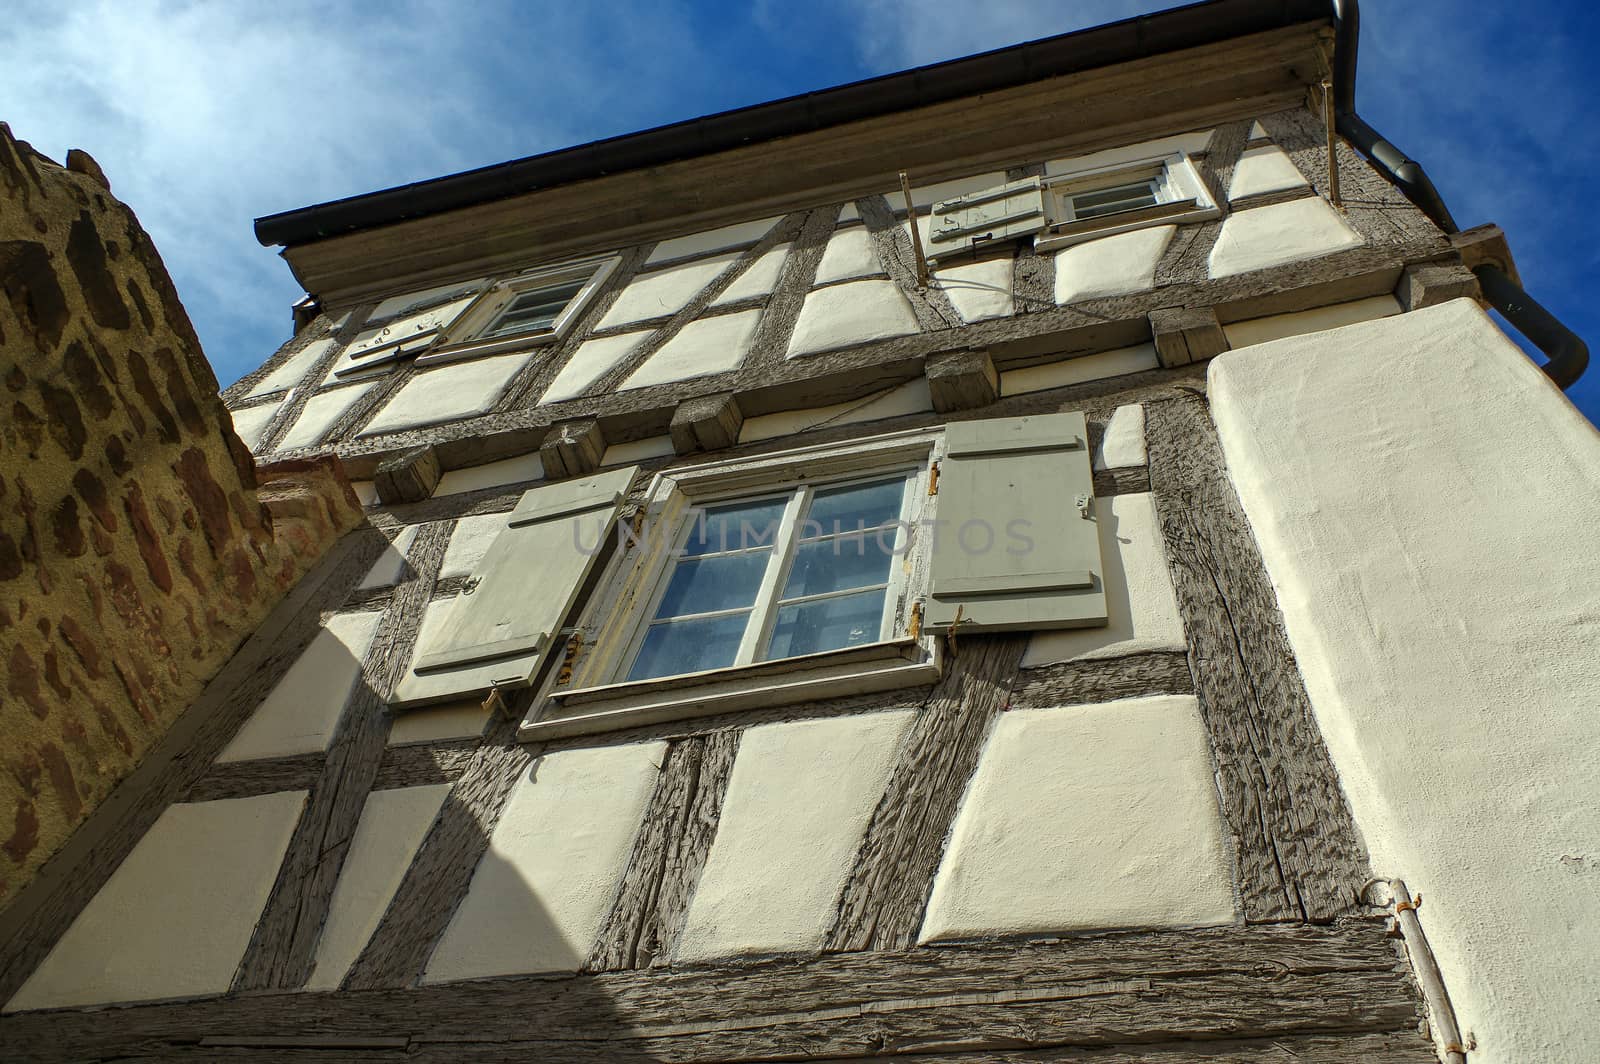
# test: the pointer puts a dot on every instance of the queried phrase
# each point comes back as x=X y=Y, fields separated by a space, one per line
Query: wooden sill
x=1070 y=233
x=866 y=669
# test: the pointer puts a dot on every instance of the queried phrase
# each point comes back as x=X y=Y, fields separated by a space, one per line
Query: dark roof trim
x=1117 y=42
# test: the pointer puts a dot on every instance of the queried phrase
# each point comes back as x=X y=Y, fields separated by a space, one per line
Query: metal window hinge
x=914 y=624
x=933 y=479
x=471 y=585
x=570 y=658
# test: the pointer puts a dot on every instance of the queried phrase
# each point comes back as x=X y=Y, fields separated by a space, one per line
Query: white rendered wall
x=1427 y=504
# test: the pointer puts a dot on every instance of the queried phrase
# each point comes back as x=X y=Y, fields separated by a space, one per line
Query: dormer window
x=1100 y=202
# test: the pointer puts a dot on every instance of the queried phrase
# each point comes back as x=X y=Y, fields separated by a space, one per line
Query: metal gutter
x=1568 y=354
x=1100 y=46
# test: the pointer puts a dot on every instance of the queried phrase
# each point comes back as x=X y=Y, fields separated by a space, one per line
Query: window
x=778 y=576
x=1069 y=208
x=813 y=573
x=532 y=309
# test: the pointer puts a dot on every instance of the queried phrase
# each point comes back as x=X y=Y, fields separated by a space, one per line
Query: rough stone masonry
x=139 y=542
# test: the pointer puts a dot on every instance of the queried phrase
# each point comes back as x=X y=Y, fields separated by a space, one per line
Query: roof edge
x=1135 y=38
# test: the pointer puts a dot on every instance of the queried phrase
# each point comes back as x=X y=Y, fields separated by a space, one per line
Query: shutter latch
x=471 y=585
x=1085 y=501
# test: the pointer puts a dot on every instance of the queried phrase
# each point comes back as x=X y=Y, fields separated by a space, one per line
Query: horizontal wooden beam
x=1282 y=981
x=1071 y=683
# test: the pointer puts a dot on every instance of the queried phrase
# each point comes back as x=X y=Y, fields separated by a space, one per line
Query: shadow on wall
x=418 y=919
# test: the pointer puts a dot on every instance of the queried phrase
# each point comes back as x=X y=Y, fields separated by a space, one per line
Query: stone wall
x=139 y=544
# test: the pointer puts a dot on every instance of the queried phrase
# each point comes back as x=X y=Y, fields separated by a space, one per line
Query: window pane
x=840 y=563
x=706 y=585
x=533 y=310
x=676 y=647
x=827 y=624
x=734 y=526
x=1112 y=200
x=855 y=506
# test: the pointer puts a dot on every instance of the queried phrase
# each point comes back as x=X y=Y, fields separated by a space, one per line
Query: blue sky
x=207 y=115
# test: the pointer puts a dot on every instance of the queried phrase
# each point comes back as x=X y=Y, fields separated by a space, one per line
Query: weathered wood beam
x=883 y=902
x=1126 y=480
x=1296 y=852
x=417 y=764
x=1071 y=683
x=572 y=449
x=961 y=380
x=409 y=476
x=245 y=779
x=674 y=841
x=706 y=423
x=1126 y=989
x=1187 y=334
x=1429 y=283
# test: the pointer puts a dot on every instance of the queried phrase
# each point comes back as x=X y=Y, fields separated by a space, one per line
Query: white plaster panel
x=251 y=423
x=1277 y=326
x=1112 y=363
x=1426 y=503
x=514 y=470
x=1123 y=442
x=701 y=348
x=849 y=213
x=366 y=492
x=319 y=414
x=729 y=236
x=759 y=280
x=453 y=390
x=296 y=366
x=1264 y=169
x=1084 y=818
x=1188 y=143
x=402 y=303
x=979 y=290
x=1141 y=607
x=638 y=451
x=848 y=314
x=850 y=253
x=1281 y=232
x=798 y=802
x=912 y=397
x=175 y=917
x=1259 y=132
x=665 y=291
x=392 y=825
x=592 y=360
x=1111 y=266
x=557 y=853
x=301 y=712
x=469 y=541
x=451 y=720
x=391 y=566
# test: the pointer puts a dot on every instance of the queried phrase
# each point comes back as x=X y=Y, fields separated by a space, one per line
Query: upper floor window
x=1099 y=202
x=532 y=309
x=779 y=576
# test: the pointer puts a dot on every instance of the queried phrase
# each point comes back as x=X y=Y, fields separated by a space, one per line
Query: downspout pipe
x=1568 y=354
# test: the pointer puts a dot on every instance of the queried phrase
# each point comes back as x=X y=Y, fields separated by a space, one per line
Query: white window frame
x=1181 y=197
x=596 y=696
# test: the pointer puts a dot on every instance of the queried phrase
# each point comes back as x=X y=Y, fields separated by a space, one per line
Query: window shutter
x=520 y=594
x=1017 y=546
x=1005 y=212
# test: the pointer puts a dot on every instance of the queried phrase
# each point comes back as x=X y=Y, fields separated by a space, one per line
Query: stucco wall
x=138 y=542
x=1427 y=503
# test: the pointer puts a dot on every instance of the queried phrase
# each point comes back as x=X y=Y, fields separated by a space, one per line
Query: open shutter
x=1017 y=545
x=1005 y=212
x=520 y=594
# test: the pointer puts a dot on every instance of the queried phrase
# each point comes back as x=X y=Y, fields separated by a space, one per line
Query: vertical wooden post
x=916 y=237
x=1333 y=142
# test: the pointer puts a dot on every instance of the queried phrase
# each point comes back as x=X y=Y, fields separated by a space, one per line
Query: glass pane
x=827 y=624
x=534 y=310
x=1112 y=200
x=676 y=647
x=840 y=563
x=855 y=506
x=734 y=526
x=705 y=585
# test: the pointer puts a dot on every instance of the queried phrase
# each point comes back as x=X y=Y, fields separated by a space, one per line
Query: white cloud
x=205 y=116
